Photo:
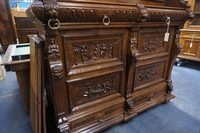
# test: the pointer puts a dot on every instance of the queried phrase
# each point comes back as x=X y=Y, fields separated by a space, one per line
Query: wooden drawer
x=188 y=34
x=94 y=117
x=83 y=91
x=149 y=72
x=148 y=97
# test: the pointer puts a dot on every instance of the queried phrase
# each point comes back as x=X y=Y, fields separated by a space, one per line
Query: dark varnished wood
x=24 y=27
x=7 y=34
x=97 y=73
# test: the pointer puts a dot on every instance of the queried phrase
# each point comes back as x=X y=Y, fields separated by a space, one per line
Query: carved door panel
x=149 y=66
x=95 y=70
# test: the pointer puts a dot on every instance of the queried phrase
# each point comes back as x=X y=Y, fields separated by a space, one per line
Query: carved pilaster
x=55 y=66
x=133 y=44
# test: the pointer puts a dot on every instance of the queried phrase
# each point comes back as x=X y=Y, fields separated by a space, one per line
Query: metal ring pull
x=106 y=18
x=168 y=20
x=53 y=19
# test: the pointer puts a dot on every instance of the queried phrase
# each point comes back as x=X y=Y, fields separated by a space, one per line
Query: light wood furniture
x=22 y=70
x=105 y=61
x=190 y=36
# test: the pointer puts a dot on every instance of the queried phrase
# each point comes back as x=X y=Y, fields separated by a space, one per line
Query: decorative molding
x=152 y=56
x=94 y=68
x=91 y=14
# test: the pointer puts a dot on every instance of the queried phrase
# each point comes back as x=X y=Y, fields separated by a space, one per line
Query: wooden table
x=21 y=67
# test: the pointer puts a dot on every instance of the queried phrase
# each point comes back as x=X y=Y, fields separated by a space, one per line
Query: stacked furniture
x=190 y=36
x=102 y=62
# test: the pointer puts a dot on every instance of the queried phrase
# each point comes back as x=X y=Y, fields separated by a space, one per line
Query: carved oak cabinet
x=106 y=61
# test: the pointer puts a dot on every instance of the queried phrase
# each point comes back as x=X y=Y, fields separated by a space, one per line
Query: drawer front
x=189 y=34
x=150 y=74
x=94 y=88
x=150 y=96
x=151 y=40
x=93 y=50
x=105 y=112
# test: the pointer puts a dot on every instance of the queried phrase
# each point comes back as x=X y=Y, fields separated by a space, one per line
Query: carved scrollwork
x=143 y=13
x=57 y=71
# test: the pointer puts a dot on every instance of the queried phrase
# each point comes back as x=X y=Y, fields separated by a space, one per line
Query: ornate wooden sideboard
x=106 y=61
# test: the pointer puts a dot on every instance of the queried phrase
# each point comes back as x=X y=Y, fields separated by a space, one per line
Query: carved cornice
x=72 y=12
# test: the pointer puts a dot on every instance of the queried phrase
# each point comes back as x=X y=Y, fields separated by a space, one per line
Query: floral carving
x=146 y=74
x=152 y=45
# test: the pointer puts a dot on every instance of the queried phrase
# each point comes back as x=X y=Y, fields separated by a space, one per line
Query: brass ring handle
x=106 y=18
x=53 y=28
